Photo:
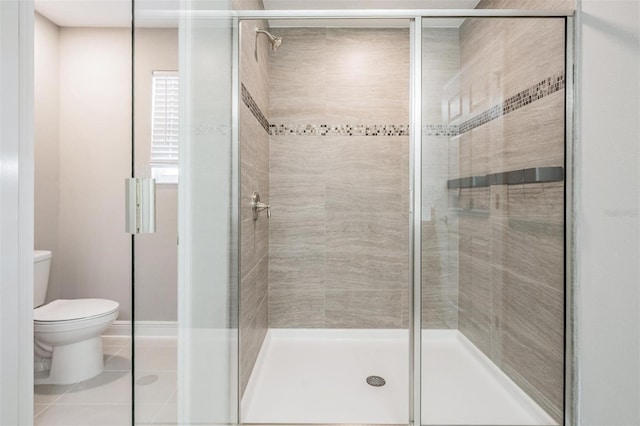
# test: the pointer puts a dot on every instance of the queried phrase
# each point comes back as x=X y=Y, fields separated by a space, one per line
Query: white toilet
x=67 y=342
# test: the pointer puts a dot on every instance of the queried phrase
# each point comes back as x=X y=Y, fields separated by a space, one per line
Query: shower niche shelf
x=514 y=177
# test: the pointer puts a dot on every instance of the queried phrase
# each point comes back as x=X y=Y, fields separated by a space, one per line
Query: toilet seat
x=73 y=310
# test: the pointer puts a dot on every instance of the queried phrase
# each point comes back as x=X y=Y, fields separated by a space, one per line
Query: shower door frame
x=415 y=18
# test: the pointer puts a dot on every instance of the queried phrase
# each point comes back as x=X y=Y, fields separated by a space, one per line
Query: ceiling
x=117 y=13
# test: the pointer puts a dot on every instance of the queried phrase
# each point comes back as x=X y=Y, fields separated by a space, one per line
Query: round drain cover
x=376 y=381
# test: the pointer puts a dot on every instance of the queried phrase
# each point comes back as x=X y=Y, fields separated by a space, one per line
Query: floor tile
x=38 y=409
x=110 y=387
x=44 y=394
x=119 y=360
x=168 y=414
x=155 y=387
x=85 y=415
x=156 y=358
x=105 y=399
x=145 y=413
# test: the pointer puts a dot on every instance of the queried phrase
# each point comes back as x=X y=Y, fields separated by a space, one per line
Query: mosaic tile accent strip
x=254 y=108
x=538 y=91
x=440 y=130
x=531 y=94
x=521 y=99
x=339 y=130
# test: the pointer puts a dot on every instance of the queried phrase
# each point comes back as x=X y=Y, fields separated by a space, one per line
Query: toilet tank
x=41 y=266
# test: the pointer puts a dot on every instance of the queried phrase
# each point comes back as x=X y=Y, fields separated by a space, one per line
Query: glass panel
x=156 y=254
x=82 y=76
x=493 y=221
x=324 y=140
x=185 y=347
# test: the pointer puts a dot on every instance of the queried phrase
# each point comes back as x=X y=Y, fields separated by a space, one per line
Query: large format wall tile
x=363 y=309
x=297 y=308
x=366 y=251
x=511 y=238
x=339 y=234
x=528 y=4
x=298 y=77
x=527 y=342
x=440 y=106
x=253 y=316
x=368 y=75
x=254 y=176
x=439 y=276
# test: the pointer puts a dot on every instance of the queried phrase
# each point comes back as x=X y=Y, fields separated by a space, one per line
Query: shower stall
x=373 y=216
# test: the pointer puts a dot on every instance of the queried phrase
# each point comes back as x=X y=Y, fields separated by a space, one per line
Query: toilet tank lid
x=40 y=255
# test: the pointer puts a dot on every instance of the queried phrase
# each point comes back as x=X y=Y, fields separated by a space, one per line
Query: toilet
x=67 y=332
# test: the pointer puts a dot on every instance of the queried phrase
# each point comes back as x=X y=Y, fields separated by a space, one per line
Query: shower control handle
x=257 y=206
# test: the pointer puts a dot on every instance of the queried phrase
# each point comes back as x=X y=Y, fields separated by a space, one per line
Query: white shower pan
x=319 y=376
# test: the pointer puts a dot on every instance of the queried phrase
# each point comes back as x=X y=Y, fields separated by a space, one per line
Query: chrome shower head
x=274 y=40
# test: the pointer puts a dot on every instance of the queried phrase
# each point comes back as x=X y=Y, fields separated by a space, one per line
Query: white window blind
x=165 y=118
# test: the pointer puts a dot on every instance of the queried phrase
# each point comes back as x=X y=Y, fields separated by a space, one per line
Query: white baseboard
x=144 y=329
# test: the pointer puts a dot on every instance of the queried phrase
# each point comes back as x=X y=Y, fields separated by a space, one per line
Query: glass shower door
x=493 y=288
x=185 y=273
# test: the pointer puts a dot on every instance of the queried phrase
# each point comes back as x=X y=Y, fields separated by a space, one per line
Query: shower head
x=275 y=41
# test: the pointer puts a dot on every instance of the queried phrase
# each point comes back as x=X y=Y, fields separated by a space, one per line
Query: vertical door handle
x=140 y=205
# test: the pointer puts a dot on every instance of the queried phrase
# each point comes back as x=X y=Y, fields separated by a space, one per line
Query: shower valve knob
x=257 y=206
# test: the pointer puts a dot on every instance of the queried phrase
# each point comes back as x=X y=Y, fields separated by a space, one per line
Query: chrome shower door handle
x=257 y=206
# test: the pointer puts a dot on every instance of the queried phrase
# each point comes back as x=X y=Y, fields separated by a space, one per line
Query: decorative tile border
x=531 y=94
x=254 y=108
x=521 y=99
x=538 y=91
x=440 y=130
x=339 y=130
x=483 y=118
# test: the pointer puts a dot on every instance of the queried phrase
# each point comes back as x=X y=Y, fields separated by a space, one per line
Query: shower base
x=320 y=376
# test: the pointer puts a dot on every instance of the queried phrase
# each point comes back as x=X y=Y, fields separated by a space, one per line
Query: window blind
x=165 y=118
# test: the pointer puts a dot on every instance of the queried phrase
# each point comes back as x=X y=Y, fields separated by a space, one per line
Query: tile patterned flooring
x=105 y=400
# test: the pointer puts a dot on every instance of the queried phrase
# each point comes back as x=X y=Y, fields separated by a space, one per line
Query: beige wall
x=47 y=145
x=95 y=158
x=338 y=238
x=156 y=255
x=511 y=252
x=83 y=155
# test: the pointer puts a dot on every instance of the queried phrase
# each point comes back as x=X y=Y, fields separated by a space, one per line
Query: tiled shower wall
x=511 y=237
x=338 y=176
x=440 y=67
x=528 y=4
x=254 y=176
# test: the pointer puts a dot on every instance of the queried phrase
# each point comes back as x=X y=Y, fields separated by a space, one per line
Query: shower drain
x=376 y=381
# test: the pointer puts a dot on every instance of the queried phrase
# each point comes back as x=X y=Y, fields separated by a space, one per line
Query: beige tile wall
x=511 y=238
x=254 y=176
x=440 y=87
x=528 y=4
x=338 y=239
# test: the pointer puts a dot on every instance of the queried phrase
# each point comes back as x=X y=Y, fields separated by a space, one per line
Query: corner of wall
x=47 y=144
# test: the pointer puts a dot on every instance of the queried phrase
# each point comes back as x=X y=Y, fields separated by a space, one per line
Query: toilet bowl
x=67 y=332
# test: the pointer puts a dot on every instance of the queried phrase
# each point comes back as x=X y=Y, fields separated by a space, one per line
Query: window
x=164 y=126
